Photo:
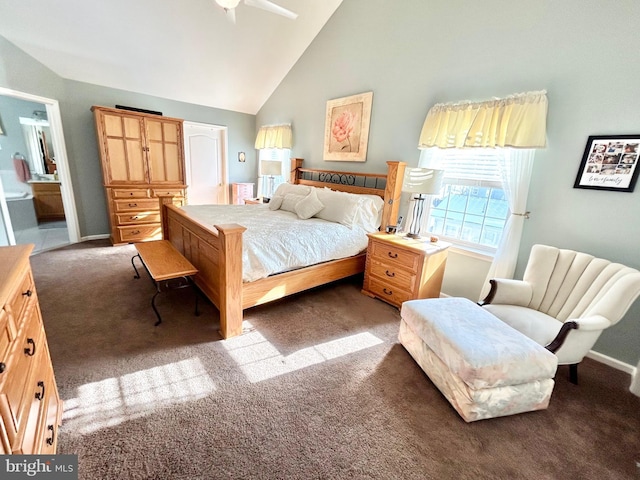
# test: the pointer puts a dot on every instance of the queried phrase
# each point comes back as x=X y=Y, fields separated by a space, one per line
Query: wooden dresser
x=400 y=269
x=30 y=408
x=142 y=157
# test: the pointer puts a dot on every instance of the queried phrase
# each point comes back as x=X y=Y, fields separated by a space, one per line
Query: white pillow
x=369 y=214
x=285 y=188
x=290 y=201
x=339 y=207
x=309 y=205
x=275 y=203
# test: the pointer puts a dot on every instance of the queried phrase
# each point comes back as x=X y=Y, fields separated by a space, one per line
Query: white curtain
x=517 y=165
x=274 y=136
x=635 y=383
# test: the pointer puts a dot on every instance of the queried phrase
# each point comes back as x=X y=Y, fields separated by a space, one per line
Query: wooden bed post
x=230 y=271
x=392 y=192
x=165 y=200
x=294 y=175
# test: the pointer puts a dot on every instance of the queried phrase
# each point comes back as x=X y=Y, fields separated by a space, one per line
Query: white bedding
x=277 y=241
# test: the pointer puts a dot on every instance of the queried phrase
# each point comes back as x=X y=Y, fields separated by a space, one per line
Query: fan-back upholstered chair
x=564 y=301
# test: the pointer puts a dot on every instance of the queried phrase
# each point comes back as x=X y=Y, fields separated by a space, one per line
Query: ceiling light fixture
x=228 y=3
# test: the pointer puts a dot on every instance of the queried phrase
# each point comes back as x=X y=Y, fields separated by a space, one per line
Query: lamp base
x=413 y=235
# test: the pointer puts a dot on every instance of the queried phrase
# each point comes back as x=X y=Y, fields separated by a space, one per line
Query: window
x=471 y=209
x=277 y=154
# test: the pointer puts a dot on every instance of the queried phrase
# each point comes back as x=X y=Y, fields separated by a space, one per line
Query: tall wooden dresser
x=142 y=157
x=30 y=408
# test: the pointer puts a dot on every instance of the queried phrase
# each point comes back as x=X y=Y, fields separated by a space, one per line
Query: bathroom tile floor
x=44 y=238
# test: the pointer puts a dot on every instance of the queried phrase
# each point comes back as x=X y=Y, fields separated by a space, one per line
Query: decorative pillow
x=339 y=207
x=309 y=205
x=275 y=203
x=290 y=201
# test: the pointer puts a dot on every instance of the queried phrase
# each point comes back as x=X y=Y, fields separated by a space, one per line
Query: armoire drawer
x=139 y=233
x=135 y=218
x=136 y=204
x=119 y=193
x=174 y=192
x=21 y=297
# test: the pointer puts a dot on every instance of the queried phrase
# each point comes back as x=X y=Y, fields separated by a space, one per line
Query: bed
x=216 y=249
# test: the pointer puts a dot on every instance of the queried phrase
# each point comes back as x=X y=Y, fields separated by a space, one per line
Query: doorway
x=205 y=152
x=36 y=195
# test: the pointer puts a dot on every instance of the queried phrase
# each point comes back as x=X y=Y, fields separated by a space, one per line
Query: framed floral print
x=609 y=163
x=346 y=131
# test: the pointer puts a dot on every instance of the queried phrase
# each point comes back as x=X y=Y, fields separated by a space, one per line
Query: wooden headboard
x=386 y=185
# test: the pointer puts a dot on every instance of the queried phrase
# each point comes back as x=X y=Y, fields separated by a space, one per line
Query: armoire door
x=124 y=149
x=164 y=149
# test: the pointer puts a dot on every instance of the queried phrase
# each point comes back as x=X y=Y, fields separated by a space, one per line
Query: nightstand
x=400 y=268
x=252 y=201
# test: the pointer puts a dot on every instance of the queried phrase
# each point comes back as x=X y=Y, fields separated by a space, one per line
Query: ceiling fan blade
x=271 y=7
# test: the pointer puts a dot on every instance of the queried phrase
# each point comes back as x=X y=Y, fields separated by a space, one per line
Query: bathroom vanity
x=47 y=200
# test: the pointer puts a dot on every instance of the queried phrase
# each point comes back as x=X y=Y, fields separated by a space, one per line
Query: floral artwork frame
x=346 y=131
x=610 y=162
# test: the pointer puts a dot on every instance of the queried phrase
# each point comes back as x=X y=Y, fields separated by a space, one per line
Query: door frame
x=224 y=163
x=60 y=152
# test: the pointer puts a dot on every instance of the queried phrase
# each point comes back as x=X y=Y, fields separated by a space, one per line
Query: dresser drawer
x=392 y=274
x=387 y=253
x=7 y=335
x=139 y=233
x=19 y=384
x=136 y=204
x=130 y=193
x=20 y=299
x=387 y=292
x=137 y=218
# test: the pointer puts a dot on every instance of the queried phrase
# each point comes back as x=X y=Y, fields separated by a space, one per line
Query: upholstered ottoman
x=482 y=366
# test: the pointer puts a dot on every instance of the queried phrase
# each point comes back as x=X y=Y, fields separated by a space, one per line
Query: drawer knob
x=135 y=232
x=30 y=351
x=3 y=367
x=393 y=255
x=133 y=204
x=133 y=218
x=28 y=293
x=388 y=292
x=50 y=439
x=40 y=395
x=390 y=274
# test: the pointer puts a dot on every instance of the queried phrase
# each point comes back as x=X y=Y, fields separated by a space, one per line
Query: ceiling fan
x=230 y=6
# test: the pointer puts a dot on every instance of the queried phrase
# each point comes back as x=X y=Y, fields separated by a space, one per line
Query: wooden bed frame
x=217 y=252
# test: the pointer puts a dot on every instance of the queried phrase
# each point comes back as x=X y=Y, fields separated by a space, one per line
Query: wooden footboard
x=217 y=254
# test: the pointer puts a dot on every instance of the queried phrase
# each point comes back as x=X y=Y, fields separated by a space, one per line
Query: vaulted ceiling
x=184 y=50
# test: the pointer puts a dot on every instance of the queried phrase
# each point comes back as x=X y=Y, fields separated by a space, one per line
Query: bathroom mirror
x=37 y=137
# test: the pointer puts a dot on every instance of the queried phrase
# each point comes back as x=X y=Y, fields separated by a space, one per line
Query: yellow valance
x=274 y=136
x=518 y=121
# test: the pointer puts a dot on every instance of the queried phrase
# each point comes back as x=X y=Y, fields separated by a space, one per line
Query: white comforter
x=277 y=241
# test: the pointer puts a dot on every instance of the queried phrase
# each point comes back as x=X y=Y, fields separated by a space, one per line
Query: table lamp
x=423 y=181
x=270 y=168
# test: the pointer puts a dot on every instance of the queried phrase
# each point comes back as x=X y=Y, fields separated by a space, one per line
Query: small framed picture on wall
x=609 y=163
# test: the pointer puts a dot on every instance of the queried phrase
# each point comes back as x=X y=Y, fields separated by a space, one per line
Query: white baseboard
x=612 y=362
x=94 y=237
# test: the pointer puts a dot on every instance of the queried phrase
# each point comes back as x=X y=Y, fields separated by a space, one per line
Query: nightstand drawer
x=388 y=293
x=388 y=272
x=388 y=253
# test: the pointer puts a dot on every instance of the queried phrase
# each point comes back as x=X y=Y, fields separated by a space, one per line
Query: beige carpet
x=318 y=388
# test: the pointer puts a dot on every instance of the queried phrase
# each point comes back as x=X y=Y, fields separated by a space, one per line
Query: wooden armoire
x=142 y=157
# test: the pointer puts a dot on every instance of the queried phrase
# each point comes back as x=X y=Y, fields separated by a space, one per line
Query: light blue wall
x=415 y=53
x=21 y=72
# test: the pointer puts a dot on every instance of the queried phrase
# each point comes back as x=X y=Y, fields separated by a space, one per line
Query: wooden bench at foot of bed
x=217 y=252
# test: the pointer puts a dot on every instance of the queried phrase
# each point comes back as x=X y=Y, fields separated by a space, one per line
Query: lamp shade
x=228 y=3
x=422 y=180
x=270 y=167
